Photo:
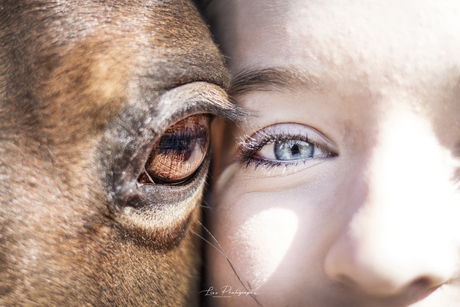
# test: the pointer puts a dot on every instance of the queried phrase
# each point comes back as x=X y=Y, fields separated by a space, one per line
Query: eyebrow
x=266 y=79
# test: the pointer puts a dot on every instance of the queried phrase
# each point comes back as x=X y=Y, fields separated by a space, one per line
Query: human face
x=342 y=190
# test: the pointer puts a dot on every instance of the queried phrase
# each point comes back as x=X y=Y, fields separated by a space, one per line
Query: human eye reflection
x=284 y=145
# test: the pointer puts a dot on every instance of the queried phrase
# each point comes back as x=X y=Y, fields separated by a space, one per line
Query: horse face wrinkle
x=86 y=89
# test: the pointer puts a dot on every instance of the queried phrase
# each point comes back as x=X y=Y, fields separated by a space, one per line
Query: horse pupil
x=177 y=143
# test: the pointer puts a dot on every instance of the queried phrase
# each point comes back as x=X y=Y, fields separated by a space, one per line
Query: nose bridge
x=396 y=237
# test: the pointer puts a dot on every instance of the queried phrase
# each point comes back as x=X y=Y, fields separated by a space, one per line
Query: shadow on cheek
x=266 y=237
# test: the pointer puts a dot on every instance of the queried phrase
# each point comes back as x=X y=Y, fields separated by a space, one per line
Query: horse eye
x=179 y=152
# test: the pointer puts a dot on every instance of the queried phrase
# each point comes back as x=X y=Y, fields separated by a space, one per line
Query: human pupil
x=293 y=150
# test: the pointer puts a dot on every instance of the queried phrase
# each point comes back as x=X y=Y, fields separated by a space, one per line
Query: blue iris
x=293 y=150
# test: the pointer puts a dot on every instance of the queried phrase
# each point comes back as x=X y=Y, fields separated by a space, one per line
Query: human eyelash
x=249 y=146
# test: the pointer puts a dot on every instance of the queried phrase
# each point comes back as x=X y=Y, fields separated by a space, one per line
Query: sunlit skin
x=371 y=218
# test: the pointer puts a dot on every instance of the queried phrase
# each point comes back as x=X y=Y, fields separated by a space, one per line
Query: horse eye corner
x=144 y=178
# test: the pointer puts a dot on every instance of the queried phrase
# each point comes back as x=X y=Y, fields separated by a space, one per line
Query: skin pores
x=343 y=189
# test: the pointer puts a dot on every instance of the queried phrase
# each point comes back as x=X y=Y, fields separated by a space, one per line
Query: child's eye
x=288 y=150
x=283 y=145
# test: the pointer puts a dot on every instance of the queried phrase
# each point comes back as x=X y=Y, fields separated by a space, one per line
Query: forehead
x=362 y=39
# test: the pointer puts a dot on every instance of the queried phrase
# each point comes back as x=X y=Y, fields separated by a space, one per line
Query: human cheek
x=273 y=236
x=260 y=233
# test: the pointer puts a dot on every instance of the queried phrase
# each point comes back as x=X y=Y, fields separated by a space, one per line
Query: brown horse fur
x=86 y=88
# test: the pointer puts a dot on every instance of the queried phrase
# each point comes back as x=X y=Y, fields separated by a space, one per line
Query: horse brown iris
x=179 y=152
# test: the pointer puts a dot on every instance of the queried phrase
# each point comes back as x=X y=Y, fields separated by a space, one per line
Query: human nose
x=399 y=237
